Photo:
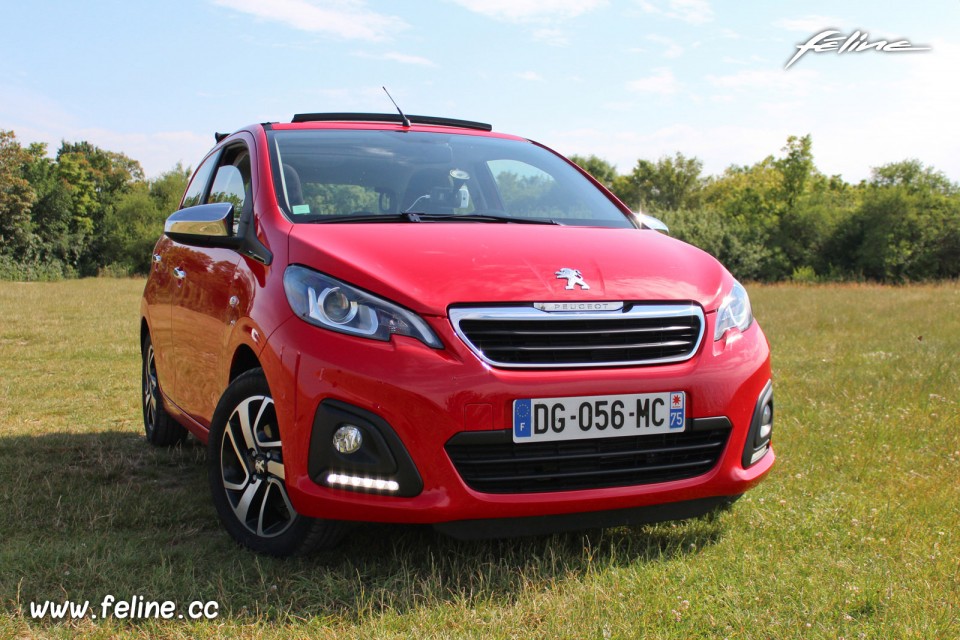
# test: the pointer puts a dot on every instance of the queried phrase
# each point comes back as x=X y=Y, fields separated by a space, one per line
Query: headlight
x=734 y=312
x=331 y=304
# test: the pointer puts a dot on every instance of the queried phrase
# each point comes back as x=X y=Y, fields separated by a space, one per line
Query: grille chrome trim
x=508 y=322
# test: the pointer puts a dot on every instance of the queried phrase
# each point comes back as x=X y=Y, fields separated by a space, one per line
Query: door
x=162 y=288
x=204 y=307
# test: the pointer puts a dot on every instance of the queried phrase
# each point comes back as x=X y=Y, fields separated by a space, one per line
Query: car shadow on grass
x=105 y=513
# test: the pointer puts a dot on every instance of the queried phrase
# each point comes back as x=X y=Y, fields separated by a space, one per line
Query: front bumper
x=426 y=397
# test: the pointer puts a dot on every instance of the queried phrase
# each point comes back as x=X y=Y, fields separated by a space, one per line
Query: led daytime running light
x=360 y=482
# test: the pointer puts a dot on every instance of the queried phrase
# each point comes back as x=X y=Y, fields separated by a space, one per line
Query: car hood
x=429 y=266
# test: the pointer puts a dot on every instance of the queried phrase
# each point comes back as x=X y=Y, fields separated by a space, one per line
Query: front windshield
x=331 y=175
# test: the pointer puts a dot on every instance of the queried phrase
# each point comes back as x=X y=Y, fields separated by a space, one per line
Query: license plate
x=587 y=417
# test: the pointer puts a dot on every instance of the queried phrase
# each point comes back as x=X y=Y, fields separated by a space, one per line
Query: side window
x=232 y=182
x=198 y=183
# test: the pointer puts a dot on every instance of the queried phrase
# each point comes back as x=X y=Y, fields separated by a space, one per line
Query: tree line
x=84 y=212
x=782 y=219
x=87 y=211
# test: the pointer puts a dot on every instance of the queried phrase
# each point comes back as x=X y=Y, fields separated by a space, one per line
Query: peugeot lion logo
x=573 y=278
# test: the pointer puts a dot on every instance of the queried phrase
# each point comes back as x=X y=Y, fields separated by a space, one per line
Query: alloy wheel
x=251 y=468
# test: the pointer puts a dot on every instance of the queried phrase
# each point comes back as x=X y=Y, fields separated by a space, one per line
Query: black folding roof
x=390 y=117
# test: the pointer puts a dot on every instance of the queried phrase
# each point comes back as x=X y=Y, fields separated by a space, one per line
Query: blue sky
x=622 y=79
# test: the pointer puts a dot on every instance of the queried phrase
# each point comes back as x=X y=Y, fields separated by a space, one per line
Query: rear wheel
x=247 y=477
x=160 y=428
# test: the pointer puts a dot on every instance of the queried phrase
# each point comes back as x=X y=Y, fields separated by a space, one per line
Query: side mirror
x=211 y=225
x=650 y=222
x=205 y=225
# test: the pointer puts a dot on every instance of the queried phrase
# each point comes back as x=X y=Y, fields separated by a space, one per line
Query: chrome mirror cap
x=213 y=220
x=649 y=222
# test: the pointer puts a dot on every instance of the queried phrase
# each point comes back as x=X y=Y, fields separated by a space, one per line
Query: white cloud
x=692 y=11
x=668 y=47
x=797 y=82
x=850 y=136
x=530 y=76
x=662 y=82
x=408 y=59
x=35 y=117
x=740 y=61
x=348 y=19
x=394 y=56
x=914 y=121
x=362 y=99
x=554 y=37
x=157 y=151
x=809 y=24
x=531 y=10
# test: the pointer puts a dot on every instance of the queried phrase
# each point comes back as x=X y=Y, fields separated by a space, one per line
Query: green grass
x=855 y=534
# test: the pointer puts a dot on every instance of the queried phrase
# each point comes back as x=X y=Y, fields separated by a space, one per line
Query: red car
x=389 y=319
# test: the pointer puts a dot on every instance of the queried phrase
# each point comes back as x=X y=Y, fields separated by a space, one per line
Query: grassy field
x=855 y=534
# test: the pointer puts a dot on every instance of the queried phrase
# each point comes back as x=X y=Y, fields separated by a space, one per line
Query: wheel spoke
x=275 y=469
x=229 y=449
x=148 y=404
x=235 y=486
x=276 y=512
x=246 y=429
x=152 y=401
x=247 y=498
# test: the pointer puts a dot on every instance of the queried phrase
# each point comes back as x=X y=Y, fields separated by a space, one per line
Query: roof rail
x=389 y=117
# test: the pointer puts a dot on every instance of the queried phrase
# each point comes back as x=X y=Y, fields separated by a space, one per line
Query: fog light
x=761 y=428
x=361 y=482
x=347 y=439
x=766 y=422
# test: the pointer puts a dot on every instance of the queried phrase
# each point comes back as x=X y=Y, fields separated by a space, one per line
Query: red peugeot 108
x=390 y=319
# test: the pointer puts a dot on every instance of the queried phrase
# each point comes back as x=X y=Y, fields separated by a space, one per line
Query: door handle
x=179 y=273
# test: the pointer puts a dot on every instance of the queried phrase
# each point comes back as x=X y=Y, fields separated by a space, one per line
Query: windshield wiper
x=477 y=217
x=368 y=217
x=416 y=216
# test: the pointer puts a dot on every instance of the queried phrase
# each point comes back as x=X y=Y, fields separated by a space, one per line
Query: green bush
x=34 y=271
x=805 y=275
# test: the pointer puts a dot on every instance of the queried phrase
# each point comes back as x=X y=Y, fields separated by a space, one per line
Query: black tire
x=161 y=430
x=247 y=477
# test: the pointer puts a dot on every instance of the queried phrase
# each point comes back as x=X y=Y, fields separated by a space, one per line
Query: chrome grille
x=526 y=337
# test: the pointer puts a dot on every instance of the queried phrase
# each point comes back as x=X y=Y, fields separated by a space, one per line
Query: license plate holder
x=590 y=417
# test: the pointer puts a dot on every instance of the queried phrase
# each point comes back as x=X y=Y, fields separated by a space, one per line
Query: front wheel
x=247 y=478
x=161 y=430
